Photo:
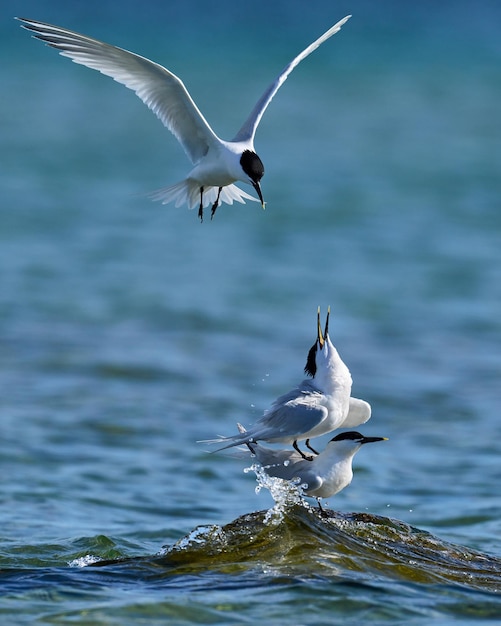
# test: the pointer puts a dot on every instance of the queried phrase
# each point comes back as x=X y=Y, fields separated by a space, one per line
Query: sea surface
x=129 y=330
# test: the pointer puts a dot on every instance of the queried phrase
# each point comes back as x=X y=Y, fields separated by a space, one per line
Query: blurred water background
x=128 y=330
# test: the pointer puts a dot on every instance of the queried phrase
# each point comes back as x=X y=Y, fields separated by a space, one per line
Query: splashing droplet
x=285 y=493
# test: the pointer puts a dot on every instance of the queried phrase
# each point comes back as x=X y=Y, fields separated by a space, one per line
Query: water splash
x=285 y=493
x=201 y=536
x=214 y=540
x=84 y=561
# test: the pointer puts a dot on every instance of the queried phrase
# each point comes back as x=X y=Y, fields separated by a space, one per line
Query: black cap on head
x=254 y=168
x=252 y=165
x=353 y=435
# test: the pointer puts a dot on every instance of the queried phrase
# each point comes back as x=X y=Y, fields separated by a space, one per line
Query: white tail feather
x=188 y=192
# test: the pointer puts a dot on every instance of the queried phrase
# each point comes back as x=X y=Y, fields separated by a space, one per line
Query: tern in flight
x=217 y=164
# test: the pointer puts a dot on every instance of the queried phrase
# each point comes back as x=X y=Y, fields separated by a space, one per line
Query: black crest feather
x=311 y=362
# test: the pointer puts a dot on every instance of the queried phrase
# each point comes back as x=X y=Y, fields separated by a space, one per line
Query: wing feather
x=293 y=414
x=162 y=91
x=290 y=417
x=248 y=130
x=359 y=412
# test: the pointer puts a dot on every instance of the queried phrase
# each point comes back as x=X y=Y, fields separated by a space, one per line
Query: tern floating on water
x=217 y=164
x=315 y=407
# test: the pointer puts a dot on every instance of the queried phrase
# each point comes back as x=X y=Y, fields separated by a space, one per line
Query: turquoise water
x=128 y=330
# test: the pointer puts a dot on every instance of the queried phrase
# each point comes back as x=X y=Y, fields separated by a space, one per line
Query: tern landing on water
x=326 y=474
x=217 y=163
x=313 y=408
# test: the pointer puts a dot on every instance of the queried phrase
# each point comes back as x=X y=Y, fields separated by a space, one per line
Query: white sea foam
x=83 y=561
x=197 y=537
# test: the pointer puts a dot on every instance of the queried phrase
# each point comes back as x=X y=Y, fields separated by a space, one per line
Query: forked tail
x=188 y=192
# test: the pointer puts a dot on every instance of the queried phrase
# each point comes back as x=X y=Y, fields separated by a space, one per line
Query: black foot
x=201 y=207
x=305 y=457
x=213 y=210
x=216 y=203
x=323 y=512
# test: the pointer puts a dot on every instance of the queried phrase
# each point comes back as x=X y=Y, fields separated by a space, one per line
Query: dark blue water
x=128 y=330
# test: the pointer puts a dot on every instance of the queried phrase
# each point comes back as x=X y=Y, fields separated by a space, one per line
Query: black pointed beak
x=372 y=439
x=326 y=331
x=257 y=187
x=320 y=337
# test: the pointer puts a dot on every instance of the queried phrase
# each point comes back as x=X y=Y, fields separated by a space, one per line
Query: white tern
x=218 y=164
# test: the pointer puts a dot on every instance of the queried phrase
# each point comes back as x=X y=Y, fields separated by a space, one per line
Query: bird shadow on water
x=296 y=540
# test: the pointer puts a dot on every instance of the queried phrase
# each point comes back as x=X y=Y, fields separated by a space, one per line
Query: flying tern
x=218 y=164
x=313 y=408
x=326 y=474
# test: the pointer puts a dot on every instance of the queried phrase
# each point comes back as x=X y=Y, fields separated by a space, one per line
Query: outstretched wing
x=162 y=91
x=248 y=130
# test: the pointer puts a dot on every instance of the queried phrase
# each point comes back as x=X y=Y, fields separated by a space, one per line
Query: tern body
x=315 y=407
x=326 y=474
x=217 y=164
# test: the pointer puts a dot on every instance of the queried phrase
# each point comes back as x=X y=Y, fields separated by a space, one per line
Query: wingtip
x=26 y=21
x=342 y=22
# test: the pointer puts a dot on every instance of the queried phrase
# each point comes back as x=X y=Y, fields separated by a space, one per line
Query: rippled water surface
x=129 y=331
